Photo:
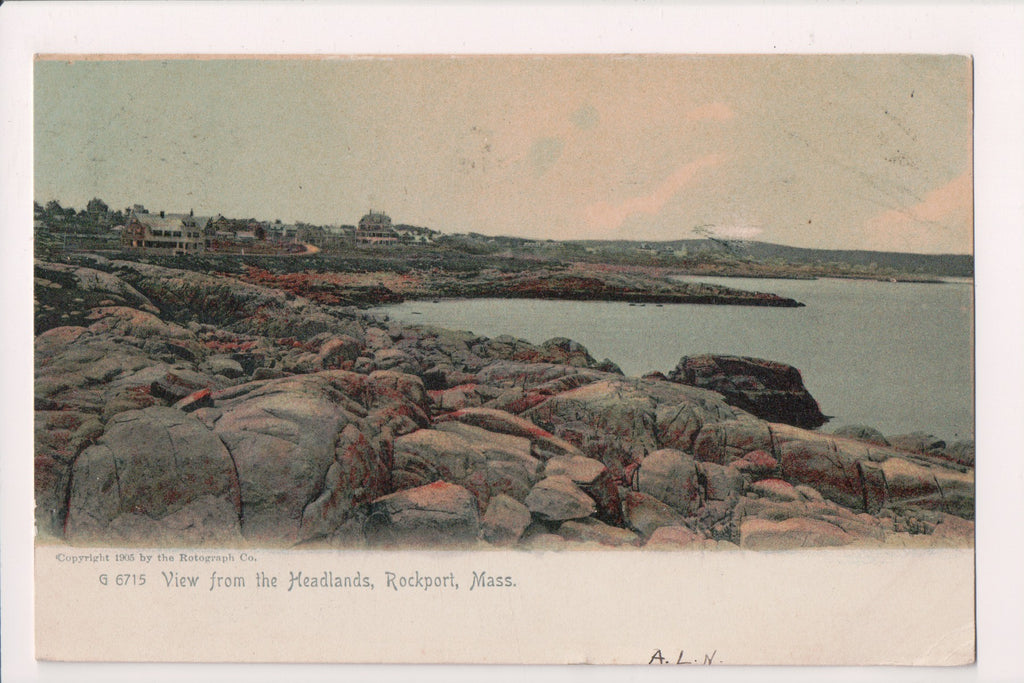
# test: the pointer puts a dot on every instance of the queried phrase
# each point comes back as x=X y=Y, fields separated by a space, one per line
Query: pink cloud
x=942 y=221
x=606 y=216
x=715 y=111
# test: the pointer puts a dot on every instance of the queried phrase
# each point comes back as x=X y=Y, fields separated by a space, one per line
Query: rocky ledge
x=577 y=282
x=769 y=390
x=174 y=407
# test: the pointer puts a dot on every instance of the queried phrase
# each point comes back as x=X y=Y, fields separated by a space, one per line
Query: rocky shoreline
x=182 y=408
x=333 y=281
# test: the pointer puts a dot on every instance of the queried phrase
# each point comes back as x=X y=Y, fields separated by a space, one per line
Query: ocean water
x=895 y=356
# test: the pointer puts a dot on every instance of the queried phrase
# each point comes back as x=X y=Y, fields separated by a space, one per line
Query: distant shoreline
x=903 y=279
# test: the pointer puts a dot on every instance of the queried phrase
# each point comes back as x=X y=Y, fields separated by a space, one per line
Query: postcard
x=647 y=358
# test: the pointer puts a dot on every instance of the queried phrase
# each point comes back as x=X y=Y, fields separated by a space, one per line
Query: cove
x=895 y=356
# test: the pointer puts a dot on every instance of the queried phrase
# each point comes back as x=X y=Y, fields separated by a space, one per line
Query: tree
x=53 y=207
x=96 y=205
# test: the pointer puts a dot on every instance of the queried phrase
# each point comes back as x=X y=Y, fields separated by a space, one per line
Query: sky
x=826 y=151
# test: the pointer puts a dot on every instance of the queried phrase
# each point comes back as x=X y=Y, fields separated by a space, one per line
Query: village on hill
x=138 y=229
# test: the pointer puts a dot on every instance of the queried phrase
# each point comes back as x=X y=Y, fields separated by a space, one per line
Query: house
x=280 y=232
x=411 y=234
x=172 y=233
x=375 y=228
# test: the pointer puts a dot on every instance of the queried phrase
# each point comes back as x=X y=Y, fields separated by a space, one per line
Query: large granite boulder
x=594 y=479
x=619 y=420
x=282 y=436
x=543 y=444
x=60 y=436
x=672 y=477
x=557 y=498
x=428 y=455
x=505 y=520
x=729 y=440
x=149 y=465
x=867 y=478
x=361 y=472
x=644 y=513
x=485 y=463
x=435 y=515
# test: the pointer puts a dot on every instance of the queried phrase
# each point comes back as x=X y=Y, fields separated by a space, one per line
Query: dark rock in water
x=772 y=391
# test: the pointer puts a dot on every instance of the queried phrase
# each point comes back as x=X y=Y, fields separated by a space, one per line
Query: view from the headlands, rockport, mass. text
x=504 y=302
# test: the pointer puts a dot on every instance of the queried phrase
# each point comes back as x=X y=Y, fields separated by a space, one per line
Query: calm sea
x=896 y=356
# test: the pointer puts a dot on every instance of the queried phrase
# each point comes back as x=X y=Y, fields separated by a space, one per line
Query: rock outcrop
x=772 y=391
x=188 y=408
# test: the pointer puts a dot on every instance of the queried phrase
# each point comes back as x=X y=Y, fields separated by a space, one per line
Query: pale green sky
x=823 y=151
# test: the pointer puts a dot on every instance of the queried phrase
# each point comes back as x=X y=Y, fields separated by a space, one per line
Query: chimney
x=161 y=214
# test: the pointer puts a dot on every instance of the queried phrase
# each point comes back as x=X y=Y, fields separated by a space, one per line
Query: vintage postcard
x=636 y=359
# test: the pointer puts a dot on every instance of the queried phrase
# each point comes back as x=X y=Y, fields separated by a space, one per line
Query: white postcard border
x=990 y=33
